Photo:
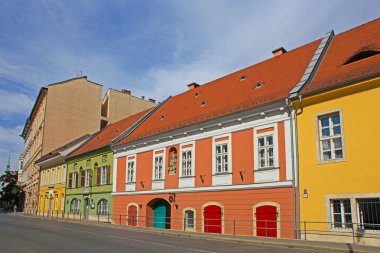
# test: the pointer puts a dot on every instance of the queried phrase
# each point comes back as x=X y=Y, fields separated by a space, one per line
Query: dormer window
x=258 y=85
x=243 y=77
x=361 y=56
x=196 y=94
x=163 y=117
x=203 y=103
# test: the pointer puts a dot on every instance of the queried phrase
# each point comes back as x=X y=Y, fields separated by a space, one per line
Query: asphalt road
x=23 y=234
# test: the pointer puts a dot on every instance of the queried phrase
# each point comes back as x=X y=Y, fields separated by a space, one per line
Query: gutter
x=294 y=94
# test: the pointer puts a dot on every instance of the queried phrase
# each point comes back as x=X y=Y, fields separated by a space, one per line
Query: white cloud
x=11 y=145
x=14 y=103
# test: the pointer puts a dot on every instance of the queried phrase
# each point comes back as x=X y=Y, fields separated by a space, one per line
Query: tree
x=10 y=193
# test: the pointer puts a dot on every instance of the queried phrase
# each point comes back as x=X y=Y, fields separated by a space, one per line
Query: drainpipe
x=294 y=154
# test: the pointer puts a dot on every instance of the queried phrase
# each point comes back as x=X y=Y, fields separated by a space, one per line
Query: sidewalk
x=288 y=243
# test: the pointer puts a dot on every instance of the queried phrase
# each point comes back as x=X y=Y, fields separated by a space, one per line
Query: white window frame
x=187 y=181
x=265 y=148
x=159 y=183
x=55 y=202
x=103 y=175
x=87 y=177
x=320 y=137
x=62 y=201
x=185 y=228
x=104 y=158
x=103 y=209
x=74 y=177
x=57 y=175
x=342 y=214
x=42 y=177
x=161 y=154
x=187 y=149
x=74 y=206
x=63 y=179
x=88 y=163
x=133 y=179
x=225 y=177
x=52 y=176
x=257 y=136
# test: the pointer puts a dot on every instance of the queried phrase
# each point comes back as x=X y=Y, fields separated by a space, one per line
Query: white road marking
x=162 y=244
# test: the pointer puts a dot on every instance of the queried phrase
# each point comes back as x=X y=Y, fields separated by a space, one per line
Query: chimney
x=279 y=51
x=192 y=86
x=142 y=97
x=152 y=100
x=126 y=91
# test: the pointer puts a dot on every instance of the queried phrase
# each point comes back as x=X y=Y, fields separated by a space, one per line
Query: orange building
x=217 y=158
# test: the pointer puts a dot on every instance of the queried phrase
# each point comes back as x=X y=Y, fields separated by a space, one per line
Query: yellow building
x=338 y=121
x=51 y=195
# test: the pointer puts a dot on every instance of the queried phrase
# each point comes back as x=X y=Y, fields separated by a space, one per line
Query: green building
x=90 y=173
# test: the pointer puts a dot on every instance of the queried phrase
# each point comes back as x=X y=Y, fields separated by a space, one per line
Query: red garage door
x=132 y=216
x=213 y=219
x=266 y=221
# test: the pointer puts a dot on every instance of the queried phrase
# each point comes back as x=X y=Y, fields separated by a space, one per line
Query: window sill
x=267 y=168
x=222 y=174
x=187 y=177
x=130 y=183
x=158 y=180
x=331 y=161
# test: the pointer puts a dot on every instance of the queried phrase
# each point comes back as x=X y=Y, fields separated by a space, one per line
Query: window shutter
x=98 y=175
x=90 y=181
x=82 y=177
x=108 y=174
x=70 y=180
x=76 y=179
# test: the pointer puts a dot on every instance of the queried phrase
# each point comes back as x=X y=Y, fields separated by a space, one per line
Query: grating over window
x=369 y=213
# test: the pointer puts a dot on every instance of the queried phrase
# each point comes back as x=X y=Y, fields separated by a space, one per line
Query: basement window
x=361 y=56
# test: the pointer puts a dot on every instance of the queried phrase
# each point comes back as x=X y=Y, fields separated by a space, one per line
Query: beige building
x=62 y=112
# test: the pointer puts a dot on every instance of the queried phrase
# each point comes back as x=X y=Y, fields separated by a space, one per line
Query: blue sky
x=153 y=48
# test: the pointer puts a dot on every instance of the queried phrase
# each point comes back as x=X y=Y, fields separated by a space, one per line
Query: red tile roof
x=63 y=148
x=105 y=136
x=333 y=69
x=230 y=94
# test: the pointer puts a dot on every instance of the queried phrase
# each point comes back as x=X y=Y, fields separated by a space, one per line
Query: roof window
x=258 y=85
x=203 y=103
x=361 y=56
x=243 y=77
x=196 y=94
x=163 y=116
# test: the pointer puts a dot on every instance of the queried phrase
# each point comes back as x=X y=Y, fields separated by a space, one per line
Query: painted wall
x=358 y=173
x=237 y=207
x=52 y=189
x=97 y=192
x=242 y=154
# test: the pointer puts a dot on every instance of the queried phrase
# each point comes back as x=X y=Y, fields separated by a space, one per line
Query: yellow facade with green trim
x=51 y=199
x=338 y=189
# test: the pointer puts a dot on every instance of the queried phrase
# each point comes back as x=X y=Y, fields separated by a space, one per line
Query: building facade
x=217 y=158
x=90 y=169
x=51 y=199
x=63 y=111
x=337 y=123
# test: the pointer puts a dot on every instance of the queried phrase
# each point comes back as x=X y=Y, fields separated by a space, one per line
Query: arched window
x=103 y=207
x=74 y=207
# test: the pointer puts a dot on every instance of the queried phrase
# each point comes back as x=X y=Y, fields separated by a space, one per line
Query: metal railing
x=307 y=230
